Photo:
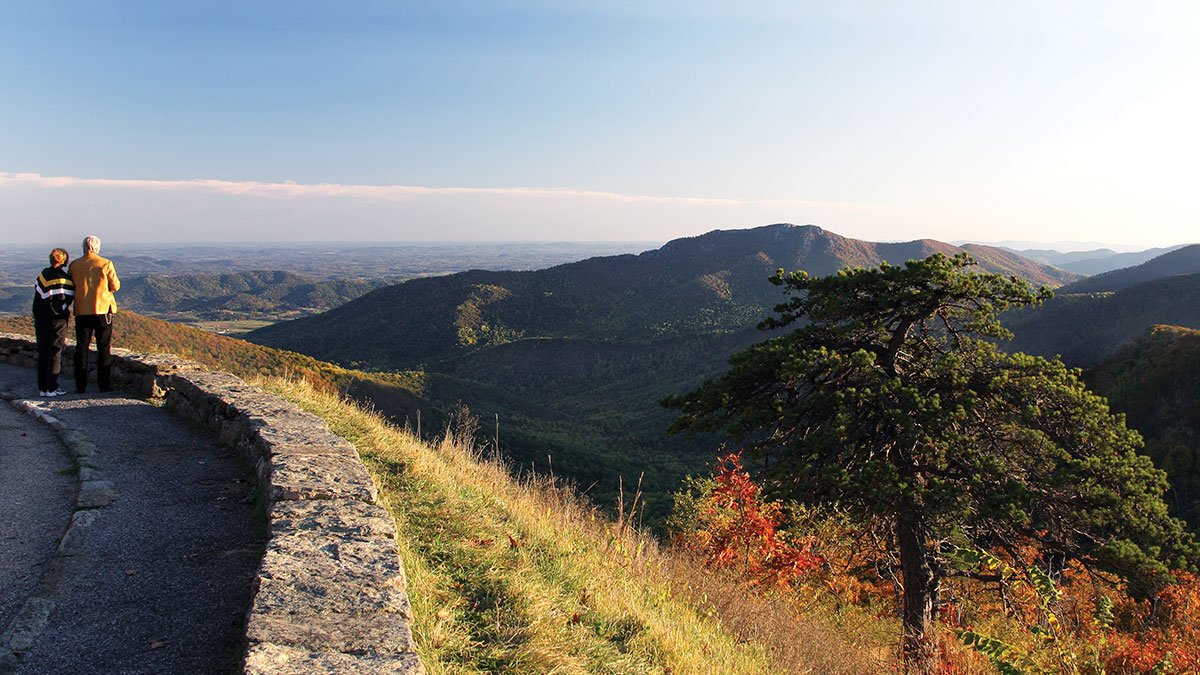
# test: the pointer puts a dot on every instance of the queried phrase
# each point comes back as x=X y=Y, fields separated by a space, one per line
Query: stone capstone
x=293 y=477
x=344 y=517
x=269 y=658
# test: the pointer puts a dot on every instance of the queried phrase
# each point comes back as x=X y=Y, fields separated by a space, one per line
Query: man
x=95 y=282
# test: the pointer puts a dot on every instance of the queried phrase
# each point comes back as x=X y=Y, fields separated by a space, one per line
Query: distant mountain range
x=323 y=261
x=1056 y=246
x=241 y=295
x=1179 y=260
x=1092 y=262
x=1091 y=319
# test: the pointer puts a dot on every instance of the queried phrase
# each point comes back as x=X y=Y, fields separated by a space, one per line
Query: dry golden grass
x=522 y=576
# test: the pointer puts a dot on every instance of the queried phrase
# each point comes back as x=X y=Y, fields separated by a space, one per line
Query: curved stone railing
x=330 y=594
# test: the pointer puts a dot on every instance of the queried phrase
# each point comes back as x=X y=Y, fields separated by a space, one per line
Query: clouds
x=47 y=209
x=290 y=189
x=220 y=210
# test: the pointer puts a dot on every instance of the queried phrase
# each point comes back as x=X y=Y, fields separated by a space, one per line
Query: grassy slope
x=522 y=577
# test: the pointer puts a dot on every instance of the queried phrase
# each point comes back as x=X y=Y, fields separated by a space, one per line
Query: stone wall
x=331 y=594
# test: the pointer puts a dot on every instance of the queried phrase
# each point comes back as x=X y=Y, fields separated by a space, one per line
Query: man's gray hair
x=91 y=244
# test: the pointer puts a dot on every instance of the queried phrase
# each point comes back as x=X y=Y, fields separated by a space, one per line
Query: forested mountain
x=240 y=295
x=714 y=283
x=1155 y=381
x=570 y=361
x=16 y=299
x=268 y=294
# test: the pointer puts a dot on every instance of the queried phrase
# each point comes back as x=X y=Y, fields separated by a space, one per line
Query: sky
x=599 y=120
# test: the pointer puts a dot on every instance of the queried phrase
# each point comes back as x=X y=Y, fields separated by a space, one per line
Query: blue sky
x=616 y=120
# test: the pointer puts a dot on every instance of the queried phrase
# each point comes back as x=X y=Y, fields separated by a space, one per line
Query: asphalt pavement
x=37 y=493
x=128 y=540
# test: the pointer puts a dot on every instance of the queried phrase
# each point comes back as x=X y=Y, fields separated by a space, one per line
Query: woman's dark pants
x=51 y=336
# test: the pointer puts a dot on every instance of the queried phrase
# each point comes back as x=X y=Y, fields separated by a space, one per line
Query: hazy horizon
x=1060 y=246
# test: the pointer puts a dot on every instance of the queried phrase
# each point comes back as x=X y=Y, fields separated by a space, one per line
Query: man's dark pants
x=51 y=336
x=86 y=326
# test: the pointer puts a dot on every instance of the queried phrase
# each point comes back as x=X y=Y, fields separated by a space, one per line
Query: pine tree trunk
x=920 y=590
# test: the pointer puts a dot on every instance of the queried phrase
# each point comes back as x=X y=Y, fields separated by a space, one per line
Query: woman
x=52 y=297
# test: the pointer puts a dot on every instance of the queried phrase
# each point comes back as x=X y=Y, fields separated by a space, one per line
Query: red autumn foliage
x=737 y=528
x=1098 y=627
x=1168 y=626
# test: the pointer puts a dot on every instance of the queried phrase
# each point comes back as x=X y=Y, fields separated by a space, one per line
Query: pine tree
x=891 y=399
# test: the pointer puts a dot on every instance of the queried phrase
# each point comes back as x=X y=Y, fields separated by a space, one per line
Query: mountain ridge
x=1096 y=261
x=715 y=282
x=1182 y=260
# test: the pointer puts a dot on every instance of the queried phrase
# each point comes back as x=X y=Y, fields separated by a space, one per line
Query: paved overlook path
x=141 y=563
